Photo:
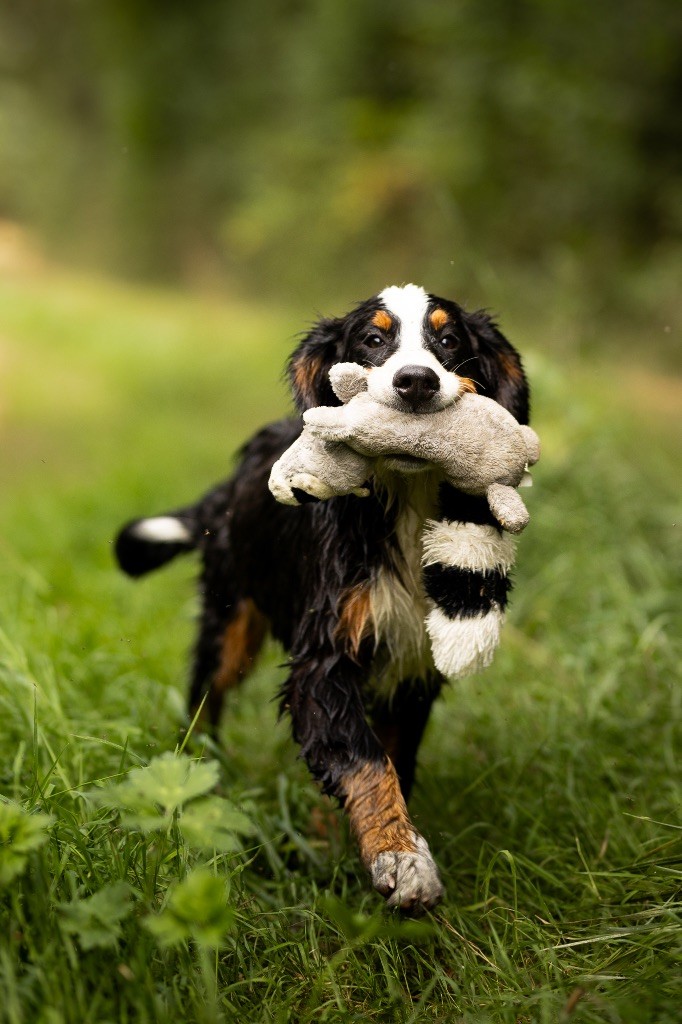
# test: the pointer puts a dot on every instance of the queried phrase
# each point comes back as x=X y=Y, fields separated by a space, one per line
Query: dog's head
x=422 y=353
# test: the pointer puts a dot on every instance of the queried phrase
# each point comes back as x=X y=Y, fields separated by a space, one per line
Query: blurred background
x=524 y=155
x=183 y=187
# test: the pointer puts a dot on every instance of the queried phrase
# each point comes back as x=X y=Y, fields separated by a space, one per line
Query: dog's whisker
x=470 y=358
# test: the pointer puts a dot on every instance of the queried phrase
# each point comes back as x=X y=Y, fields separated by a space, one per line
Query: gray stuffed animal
x=479 y=445
x=322 y=469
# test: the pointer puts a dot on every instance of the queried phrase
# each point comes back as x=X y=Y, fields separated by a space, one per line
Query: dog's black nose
x=416 y=384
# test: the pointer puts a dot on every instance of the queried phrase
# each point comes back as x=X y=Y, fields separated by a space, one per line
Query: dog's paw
x=409 y=881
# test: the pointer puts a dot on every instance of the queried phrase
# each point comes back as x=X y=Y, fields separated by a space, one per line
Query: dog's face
x=422 y=353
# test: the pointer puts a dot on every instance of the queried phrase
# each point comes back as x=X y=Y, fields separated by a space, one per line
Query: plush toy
x=322 y=469
x=479 y=445
x=480 y=449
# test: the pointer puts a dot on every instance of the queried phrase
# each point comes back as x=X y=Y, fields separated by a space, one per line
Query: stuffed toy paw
x=318 y=468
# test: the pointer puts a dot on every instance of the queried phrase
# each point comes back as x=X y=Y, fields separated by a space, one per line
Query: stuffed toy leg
x=466 y=578
x=481 y=450
x=321 y=469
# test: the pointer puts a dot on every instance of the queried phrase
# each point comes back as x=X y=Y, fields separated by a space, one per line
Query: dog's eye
x=448 y=341
x=373 y=341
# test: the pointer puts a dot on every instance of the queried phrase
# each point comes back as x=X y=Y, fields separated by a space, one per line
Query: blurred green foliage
x=354 y=144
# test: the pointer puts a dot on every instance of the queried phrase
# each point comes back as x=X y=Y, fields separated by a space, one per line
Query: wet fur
x=298 y=569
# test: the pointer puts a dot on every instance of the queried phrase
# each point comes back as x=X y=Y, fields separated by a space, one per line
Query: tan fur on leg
x=396 y=856
x=242 y=641
x=377 y=812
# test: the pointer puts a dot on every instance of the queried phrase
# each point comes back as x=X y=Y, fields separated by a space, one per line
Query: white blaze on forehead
x=409 y=304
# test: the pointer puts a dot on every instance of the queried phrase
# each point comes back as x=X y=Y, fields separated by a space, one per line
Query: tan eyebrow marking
x=439 y=318
x=382 y=320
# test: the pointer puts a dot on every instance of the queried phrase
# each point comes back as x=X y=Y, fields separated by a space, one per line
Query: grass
x=549 y=787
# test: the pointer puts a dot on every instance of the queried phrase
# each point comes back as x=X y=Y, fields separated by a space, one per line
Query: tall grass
x=549 y=785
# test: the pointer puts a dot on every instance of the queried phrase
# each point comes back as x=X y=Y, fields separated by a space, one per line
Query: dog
x=338 y=583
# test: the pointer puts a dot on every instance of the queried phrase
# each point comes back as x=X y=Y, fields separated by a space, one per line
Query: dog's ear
x=309 y=365
x=498 y=370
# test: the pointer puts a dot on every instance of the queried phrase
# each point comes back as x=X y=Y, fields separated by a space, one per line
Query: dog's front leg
x=395 y=854
x=323 y=699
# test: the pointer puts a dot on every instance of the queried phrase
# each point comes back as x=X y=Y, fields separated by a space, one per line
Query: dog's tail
x=146 y=544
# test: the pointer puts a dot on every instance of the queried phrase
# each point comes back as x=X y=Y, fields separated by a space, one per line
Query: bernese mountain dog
x=339 y=583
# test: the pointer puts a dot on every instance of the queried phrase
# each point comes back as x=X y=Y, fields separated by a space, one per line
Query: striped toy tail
x=466 y=576
x=146 y=544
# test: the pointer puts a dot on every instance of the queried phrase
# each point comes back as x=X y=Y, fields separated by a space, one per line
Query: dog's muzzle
x=416 y=385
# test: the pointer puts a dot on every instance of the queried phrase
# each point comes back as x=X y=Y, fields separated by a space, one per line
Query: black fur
x=297 y=564
x=463 y=593
x=464 y=508
x=137 y=556
x=401 y=721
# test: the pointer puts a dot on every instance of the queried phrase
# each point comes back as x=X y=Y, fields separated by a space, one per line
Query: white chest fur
x=398 y=602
